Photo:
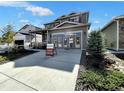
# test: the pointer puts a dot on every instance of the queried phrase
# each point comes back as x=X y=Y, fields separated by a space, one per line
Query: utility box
x=50 y=50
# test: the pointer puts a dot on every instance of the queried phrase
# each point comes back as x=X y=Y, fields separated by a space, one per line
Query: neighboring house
x=68 y=31
x=24 y=37
x=114 y=33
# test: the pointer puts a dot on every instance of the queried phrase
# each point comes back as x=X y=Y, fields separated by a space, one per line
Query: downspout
x=117 y=35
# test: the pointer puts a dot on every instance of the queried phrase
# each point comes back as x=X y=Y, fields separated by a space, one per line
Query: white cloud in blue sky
x=106 y=14
x=96 y=22
x=39 y=11
x=24 y=21
x=36 y=10
x=19 y=15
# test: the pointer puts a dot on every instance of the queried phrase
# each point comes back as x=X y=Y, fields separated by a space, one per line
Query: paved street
x=38 y=72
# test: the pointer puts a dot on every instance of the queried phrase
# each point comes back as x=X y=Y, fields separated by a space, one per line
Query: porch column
x=81 y=40
x=35 y=40
x=47 y=37
x=30 y=39
x=117 y=35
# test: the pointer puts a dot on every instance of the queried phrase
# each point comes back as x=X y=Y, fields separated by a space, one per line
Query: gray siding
x=111 y=35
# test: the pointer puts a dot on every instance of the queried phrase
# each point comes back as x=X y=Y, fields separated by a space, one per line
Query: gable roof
x=73 y=14
x=67 y=16
x=112 y=21
x=108 y=24
x=67 y=22
x=119 y=17
x=27 y=25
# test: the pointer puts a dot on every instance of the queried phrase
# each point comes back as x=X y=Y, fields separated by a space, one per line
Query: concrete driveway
x=38 y=72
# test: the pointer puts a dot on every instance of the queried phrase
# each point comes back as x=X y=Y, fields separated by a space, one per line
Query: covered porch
x=43 y=39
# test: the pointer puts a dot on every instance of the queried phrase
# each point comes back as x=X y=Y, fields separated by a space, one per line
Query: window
x=122 y=28
x=56 y=24
x=74 y=19
x=63 y=20
x=60 y=40
x=55 y=40
x=78 y=40
x=65 y=41
x=47 y=26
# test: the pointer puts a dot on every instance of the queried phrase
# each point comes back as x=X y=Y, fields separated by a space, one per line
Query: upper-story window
x=122 y=28
x=121 y=25
x=49 y=26
x=63 y=20
x=46 y=26
x=57 y=24
x=74 y=19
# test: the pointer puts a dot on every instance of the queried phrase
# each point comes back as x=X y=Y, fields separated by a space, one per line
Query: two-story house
x=69 y=30
x=24 y=38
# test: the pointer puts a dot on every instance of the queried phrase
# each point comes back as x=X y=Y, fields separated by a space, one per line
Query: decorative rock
x=113 y=63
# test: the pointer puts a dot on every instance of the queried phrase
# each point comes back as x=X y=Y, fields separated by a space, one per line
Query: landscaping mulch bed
x=15 y=55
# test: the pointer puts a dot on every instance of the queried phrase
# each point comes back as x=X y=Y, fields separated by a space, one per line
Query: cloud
x=14 y=4
x=36 y=10
x=40 y=11
x=96 y=22
x=106 y=14
x=19 y=15
x=24 y=21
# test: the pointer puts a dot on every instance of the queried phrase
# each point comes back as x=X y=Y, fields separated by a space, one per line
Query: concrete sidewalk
x=38 y=72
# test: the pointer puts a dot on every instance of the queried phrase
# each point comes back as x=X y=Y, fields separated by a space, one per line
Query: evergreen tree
x=96 y=43
x=7 y=37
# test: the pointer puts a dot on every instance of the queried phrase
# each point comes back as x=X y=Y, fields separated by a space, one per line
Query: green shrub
x=100 y=80
x=2 y=59
x=96 y=48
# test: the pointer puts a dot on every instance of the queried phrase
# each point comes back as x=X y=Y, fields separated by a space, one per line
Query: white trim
x=47 y=36
x=66 y=22
x=65 y=32
x=117 y=35
x=81 y=39
x=58 y=33
x=119 y=17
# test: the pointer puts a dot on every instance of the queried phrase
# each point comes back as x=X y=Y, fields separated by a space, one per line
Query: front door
x=77 y=40
x=60 y=41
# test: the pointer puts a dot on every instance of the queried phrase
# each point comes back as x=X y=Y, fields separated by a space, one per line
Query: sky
x=40 y=12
